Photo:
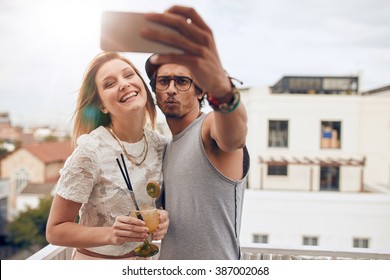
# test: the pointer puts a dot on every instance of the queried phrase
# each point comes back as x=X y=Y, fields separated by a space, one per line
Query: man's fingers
x=190 y=13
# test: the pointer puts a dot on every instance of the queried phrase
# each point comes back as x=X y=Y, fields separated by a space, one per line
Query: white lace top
x=91 y=176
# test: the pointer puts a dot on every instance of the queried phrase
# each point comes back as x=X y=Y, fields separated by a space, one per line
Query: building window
x=310 y=241
x=21 y=179
x=329 y=178
x=360 y=243
x=260 y=238
x=330 y=135
x=278 y=134
x=277 y=170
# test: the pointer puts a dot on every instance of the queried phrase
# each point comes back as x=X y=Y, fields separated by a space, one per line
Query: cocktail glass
x=148 y=211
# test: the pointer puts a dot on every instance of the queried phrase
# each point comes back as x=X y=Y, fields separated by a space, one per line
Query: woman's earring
x=103 y=109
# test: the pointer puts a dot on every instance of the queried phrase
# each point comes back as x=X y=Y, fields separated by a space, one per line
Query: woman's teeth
x=127 y=96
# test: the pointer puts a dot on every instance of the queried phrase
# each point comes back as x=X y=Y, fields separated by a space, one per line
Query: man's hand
x=163 y=226
x=197 y=41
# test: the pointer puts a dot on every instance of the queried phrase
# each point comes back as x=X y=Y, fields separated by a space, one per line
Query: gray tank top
x=204 y=206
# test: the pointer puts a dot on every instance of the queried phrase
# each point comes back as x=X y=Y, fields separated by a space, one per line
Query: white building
x=330 y=220
x=320 y=162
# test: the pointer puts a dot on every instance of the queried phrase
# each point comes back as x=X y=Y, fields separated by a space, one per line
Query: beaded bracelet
x=225 y=107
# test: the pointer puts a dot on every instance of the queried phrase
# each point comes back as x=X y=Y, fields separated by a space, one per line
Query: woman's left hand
x=163 y=227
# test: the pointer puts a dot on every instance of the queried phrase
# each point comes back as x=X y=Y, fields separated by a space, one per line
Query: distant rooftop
x=4 y=117
x=347 y=85
x=380 y=90
x=50 y=151
x=41 y=189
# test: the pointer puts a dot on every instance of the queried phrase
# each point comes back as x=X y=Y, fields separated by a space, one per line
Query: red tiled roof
x=33 y=188
x=50 y=151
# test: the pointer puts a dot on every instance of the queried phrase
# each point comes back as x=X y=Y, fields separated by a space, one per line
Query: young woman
x=113 y=109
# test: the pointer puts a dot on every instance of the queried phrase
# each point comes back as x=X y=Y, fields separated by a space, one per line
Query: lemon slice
x=153 y=189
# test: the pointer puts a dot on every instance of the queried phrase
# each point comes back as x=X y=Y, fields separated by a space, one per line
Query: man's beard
x=171 y=115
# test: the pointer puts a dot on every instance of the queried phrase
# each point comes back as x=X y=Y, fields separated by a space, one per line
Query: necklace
x=132 y=158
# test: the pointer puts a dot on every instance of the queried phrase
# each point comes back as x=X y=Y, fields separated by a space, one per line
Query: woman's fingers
x=129 y=229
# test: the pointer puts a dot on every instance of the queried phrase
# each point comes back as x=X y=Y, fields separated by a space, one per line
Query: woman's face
x=120 y=89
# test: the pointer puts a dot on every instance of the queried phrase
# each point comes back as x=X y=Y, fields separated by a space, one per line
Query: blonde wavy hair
x=87 y=115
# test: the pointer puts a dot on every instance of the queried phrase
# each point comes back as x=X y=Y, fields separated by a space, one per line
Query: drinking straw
x=128 y=184
x=123 y=174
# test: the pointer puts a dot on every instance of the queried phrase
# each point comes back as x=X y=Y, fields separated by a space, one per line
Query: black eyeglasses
x=181 y=83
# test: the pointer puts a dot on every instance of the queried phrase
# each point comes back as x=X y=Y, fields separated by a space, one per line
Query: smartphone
x=120 y=31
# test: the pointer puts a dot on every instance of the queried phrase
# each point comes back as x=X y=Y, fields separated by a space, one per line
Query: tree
x=50 y=138
x=29 y=228
x=3 y=152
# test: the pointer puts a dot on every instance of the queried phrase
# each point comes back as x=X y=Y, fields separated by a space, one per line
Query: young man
x=206 y=162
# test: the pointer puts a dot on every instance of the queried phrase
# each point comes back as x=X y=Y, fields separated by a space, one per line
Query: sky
x=45 y=45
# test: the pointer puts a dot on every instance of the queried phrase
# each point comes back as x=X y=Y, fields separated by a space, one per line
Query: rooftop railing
x=251 y=252
x=267 y=252
x=52 y=252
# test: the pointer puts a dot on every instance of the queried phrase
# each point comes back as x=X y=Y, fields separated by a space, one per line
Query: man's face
x=173 y=102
